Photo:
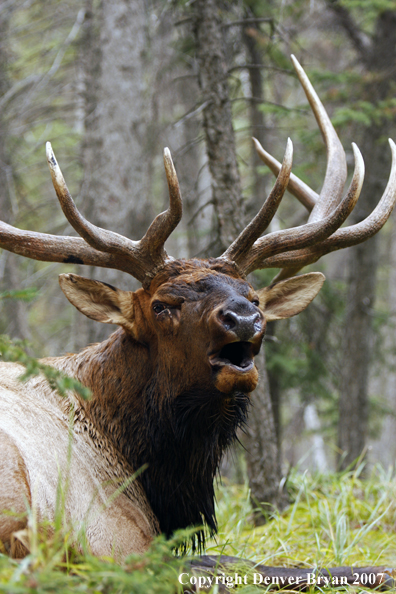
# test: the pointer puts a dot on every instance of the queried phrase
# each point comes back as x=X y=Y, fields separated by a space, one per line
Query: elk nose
x=243 y=326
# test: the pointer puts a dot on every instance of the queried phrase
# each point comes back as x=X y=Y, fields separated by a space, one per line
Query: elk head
x=198 y=317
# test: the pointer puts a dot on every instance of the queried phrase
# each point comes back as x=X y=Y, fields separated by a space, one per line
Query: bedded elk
x=171 y=386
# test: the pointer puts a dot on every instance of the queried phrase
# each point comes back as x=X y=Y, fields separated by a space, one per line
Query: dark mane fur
x=183 y=446
x=182 y=441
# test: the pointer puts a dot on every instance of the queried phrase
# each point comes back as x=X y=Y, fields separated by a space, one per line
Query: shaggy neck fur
x=183 y=445
x=181 y=437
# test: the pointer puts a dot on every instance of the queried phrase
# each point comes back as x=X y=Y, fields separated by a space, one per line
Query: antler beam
x=99 y=247
x=145 y=256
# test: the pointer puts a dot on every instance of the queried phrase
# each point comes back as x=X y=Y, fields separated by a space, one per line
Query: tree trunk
x=364 y=259
x=217 y=122
x=116 y=150
x=275 y=392
x=257 y=122
x=384 y=448
x=262 y=452
x=13 y=312
x=193 y=175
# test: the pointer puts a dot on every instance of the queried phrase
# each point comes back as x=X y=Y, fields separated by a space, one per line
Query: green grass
x=334 y=520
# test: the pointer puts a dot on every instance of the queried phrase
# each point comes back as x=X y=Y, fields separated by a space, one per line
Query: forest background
x=110 y=84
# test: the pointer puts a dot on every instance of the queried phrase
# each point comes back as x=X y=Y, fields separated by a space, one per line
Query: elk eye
x=158 y=307
x=256 y=302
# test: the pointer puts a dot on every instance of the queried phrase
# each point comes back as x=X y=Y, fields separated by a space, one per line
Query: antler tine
x=311 y=233
x=145 y=256
x=239 y=249
x=298 y=188
x=346 y=237
x=100 y=239
x=336 y=171
x=164 y=223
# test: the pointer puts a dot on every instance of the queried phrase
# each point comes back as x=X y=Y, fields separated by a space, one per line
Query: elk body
x=171 y=386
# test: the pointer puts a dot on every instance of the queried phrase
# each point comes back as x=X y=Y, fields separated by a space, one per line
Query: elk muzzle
x=237 y=330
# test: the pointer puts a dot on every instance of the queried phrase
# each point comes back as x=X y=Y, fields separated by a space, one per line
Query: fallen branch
x=227 y=572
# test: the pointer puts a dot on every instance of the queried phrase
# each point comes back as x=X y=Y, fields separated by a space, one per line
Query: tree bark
x=275 y=394
x=257 y=121
x=116 y=151
x=217 y=122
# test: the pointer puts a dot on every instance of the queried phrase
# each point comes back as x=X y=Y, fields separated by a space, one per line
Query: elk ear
x=287 y=298
x=98 y=301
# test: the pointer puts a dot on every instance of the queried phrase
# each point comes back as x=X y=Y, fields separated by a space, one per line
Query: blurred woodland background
x=110 y=84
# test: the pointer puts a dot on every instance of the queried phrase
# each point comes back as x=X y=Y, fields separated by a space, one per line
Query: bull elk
x=160 y=399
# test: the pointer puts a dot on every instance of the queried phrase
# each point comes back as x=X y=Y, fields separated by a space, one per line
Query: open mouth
x=238 y=355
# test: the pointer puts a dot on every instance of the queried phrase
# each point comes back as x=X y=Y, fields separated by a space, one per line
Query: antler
x=347 y=236
x=295 y=248
x=99 y=247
